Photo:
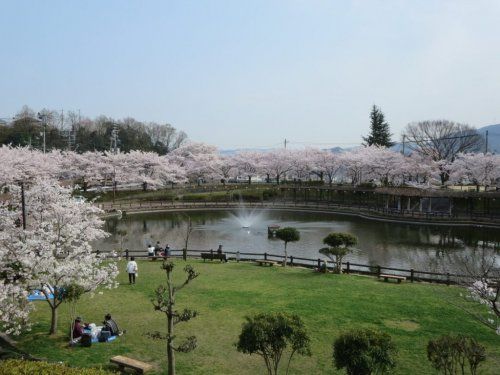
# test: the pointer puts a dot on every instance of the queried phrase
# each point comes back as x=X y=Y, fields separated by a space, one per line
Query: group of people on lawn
x=109 y=328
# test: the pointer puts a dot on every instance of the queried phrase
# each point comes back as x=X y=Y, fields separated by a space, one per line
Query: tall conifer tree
x=379 y=130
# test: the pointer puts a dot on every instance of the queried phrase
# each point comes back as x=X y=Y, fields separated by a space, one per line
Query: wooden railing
x=412 y=275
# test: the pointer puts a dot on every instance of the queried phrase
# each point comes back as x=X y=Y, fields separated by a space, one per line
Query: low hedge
x=23 y=367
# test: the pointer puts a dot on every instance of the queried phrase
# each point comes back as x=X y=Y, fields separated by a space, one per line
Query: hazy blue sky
x=250 y=73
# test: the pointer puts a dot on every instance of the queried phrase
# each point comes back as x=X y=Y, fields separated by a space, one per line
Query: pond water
x=379 y=243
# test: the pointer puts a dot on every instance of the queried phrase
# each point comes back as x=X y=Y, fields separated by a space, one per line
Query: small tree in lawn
x=455 y=354
x=364 y=352
x=164 y=301
x=338 y=247
x=270 y=334
x=287 y=234
x=71 y=295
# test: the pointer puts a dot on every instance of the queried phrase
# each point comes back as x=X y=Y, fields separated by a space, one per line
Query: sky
x=244 y=74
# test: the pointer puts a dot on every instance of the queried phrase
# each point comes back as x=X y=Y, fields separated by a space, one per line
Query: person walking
x=132 y=270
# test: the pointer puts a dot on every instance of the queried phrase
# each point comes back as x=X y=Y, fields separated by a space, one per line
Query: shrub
x=268 y=335
x=450 y=354
x=23 y=367
x=338 y=247
x=363 y=352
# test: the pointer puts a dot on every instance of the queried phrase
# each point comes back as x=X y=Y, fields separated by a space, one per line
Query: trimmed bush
x=364 y=352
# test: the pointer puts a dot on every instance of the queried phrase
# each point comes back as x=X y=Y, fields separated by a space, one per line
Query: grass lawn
x=224 y=294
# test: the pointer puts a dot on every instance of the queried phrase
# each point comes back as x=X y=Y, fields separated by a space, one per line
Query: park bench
x=261 y=262
x=212 y=256
x=125 y=362
x=393 y=277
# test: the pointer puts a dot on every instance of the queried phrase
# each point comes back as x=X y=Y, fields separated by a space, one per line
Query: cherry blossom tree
x=303 y=163
x=384 y=165
x=197 y=159
x=479 y=169
x=224 y=167
x=327 y=163
x=276 y=164
x=354 y=164
x=22 y=164
x=246 y=164
x=14 y=307
x=54 y=251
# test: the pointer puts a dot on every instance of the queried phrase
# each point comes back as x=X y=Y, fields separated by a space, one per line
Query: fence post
x=291 y=260
x=265 y=256
x=319 y=263
x=126 y=254
x=348 y=269
x=411 y=275
x=447 y=278
x=378 y=271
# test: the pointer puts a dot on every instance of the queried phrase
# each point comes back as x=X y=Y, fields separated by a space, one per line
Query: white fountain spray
x=247 y=217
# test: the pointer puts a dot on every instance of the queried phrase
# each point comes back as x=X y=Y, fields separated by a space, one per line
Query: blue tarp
x=110 y=338
x=38 y=296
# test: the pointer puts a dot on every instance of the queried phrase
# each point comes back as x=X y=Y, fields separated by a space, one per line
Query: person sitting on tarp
x=110 y=325
x=77 y=328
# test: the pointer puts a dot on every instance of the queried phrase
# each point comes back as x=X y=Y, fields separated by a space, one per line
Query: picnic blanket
x=110 y=338
x=38 y=296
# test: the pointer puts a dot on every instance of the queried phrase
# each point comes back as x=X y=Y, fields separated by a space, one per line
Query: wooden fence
x=347 y=267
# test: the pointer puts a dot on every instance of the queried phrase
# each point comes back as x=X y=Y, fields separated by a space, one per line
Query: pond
x=400 y=245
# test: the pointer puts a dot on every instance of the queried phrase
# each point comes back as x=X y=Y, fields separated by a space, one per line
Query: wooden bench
x=125 y=362
x=269 y=263
x=212 y=256
x=394 y=277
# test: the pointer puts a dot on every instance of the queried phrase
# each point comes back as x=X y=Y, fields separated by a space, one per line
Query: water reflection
x=389 y=244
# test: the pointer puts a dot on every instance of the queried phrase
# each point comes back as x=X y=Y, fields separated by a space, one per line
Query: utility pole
x=404 y=136
x=114 y=139
x=285 y=143
x=43 y=118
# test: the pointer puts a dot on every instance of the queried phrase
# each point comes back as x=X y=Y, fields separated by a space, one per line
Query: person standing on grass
x=132 y=270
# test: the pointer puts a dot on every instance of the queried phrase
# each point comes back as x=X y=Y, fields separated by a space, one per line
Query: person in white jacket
x=132 y=270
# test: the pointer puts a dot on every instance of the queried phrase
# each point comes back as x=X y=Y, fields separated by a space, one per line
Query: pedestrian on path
x=132 y=270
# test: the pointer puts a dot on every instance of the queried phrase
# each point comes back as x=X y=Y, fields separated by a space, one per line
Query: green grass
x=225 y=293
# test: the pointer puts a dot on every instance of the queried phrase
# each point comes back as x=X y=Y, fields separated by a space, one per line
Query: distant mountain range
x=493 y=137
x=493 y=143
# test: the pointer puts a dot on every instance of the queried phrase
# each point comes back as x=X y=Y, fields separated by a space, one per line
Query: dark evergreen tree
x=379 y=130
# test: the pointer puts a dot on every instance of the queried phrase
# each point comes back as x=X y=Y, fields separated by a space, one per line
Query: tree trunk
x=170 y=347
x=53 y=320
x=170 y=320
x=286 y=254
